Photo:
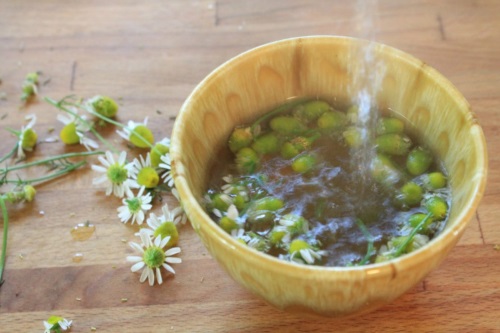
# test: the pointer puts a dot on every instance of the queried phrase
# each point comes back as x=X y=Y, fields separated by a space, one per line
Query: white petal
x=173 y=260
x=158 y=276
x=168 y=268
x=172 y=251
x=144 y=274
x=134 y=259
x=151 y=277
x=137 y=266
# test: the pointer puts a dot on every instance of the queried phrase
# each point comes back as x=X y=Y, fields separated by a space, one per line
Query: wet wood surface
x=149 y=55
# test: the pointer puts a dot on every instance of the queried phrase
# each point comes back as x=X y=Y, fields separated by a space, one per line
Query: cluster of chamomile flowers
x=135 y=182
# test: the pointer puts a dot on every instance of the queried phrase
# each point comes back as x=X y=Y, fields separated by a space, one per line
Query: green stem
x=4 y=241
x=282 y=108
x=67 y=169
x=369 y=237
x=90 y=126
x=50 y=159
x=9 y=154
x=415 y=230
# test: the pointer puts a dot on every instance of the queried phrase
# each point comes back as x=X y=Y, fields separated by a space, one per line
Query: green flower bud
x=389 y=125
x=393 y=144
x=437 y=206
x=418 y=161
x=29 y=139
x=266 y=144
x=143 y=131
x=105 y=106
x=287 y=126
x=303 y=163
x=332 y=121
x=295 y=224
x=384 y=171
x=276 y=235
x=410 y=194
x=353 y=137
x=29 y=193
x=247 y=160
x=148 y=177
x=417 y=218
x=240 y=138
x=168 y=228
x=32 y=77
x=68 y=134
x=298 y=244
x=297 y=145
x=157 y=152
x=221 y=201
x=228 y=224
x=267 y=203
x=311 y=111
x=435 y=180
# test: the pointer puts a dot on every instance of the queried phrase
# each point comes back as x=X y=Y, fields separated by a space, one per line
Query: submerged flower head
x=56 y=324
x=134 y=207
x=75 y=127
x=27 y=137
x=115 y=174
x=142 y=173
x=152 y=257
x=304 y=253
x=138 y=134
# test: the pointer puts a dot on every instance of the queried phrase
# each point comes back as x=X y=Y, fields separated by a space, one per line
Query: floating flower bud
x=247 y=160
x=417 y=218
x=240 y=138
x=418 y=161
x=389 y=125
x=266 y=144
x=304 y=163
x=353 y=137
x=332 y=121
x=437 y=206
x=410 y=194
x=287 y=126
x=267 y=203
x=384 y=171
x=393 y=144
x=311 y=111
x=435 y=180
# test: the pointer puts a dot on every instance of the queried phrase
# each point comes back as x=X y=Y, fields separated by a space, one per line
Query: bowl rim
x=449 y=236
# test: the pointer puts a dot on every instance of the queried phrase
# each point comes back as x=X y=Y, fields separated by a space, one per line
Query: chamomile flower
x=295 y=224
x=134 y=131
x=56 y=324
x=142 y=173
x=135 y=206
x=27 y=137
x=165 y=225
x=303 y=253
x=182 y=213
x=258 y=242
x=152 y=257
x=160 y=148
x=75 y=127
x=103 y=105
x=115 y=174
x=167 y=170
x=240 y=235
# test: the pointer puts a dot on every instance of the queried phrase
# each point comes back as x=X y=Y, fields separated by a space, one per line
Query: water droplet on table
x=77 y=257
x=82 y=231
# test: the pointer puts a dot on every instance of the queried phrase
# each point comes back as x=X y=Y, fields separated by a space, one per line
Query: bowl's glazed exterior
x=256 y=81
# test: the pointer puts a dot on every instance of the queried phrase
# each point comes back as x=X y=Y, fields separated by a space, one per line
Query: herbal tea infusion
x=308 y=184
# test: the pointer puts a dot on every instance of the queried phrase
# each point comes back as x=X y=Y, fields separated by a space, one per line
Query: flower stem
x=67 y=169
x=5 y=234
x=9 y=154
x=90 y=126
x=369 y=237
x=50 y=159
x=403 y=246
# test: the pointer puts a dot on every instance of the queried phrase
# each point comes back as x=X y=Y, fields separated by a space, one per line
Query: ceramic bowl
x=258 y=80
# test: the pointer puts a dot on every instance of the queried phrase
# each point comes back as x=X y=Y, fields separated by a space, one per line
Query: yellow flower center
x=105 y=106
x=148 y=177
x=157 y=152
x=153 y=257
x=68 y=134
x=117 y=173
x=168 y=229
x=29 y=139
x=145 y=133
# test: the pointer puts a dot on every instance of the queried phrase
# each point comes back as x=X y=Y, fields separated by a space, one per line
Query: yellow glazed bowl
x=258 y=80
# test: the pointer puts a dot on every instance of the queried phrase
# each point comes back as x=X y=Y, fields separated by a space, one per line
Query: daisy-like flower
x=115 y=174
x=27 y=137
x=258 y=242
x=182 y=213
x=142 y=173
x=303 y=253
x=167 y=170
x=138 y=134
x=135 y=206
x=160 y=148
x=240 y=235
x=295 y=224
x=165 y=225
x=56 y=324
x=103 y=105
x=152 y=256
x=75 y=128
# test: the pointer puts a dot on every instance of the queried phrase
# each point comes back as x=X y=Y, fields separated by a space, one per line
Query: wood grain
x=150 y=55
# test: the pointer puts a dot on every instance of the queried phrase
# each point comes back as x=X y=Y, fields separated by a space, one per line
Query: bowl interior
x=335 y=69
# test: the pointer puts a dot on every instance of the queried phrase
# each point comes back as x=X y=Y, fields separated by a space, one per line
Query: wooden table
x=149 y=55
